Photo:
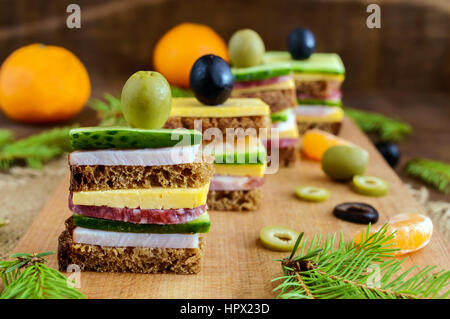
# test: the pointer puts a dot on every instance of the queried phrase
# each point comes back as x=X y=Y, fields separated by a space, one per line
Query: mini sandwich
x=138 y=199
x=274 y=84
x=231 y=134
x=318 y=81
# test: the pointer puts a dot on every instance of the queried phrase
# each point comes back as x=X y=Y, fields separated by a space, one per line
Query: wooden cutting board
x=235 y=265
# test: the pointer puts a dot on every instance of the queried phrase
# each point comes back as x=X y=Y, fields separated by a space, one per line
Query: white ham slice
x=118 y=239
x=313 y=110
x=286 y=125
x=138 y=157
x=234 y=183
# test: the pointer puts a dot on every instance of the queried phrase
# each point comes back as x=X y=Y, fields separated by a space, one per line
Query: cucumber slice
x=326 y=63
x=198 y=225
x=253 y=153
x=261 y=72
x=319 y=102
x=126 y=138
x=281 y=116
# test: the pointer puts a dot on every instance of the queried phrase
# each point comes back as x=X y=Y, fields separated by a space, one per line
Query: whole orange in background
x=181 y=46
x=43 y=84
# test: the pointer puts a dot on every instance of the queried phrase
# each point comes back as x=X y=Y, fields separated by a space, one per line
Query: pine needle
x=331 y=269
x=34 y=150
x=180 y=92
x=386 y=128
x=3 y=222
x=28 y=277
x=431 y=172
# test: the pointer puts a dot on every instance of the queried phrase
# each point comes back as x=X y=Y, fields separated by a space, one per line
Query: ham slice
x=137 y=215
x=234 y=183
x=118 y=239
x=136 y=157
x=282 y=142
x=248 y=84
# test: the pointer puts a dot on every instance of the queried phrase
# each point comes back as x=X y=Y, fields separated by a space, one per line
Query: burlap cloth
x=23 y=193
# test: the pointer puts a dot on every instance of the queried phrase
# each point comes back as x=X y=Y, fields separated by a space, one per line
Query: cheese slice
x=313 y=114
x=318 y=76
x=152 y=198
x=233 y=107
x=285 y=85
x=255 y=170
x=289 y=133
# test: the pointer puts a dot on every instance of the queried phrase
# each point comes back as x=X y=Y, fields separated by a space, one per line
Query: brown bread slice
x=278 y=100
x=288 y=156
x=317 y=88
x=99 y=177
x=127 y=259
x=330 y=127
x=242 y=200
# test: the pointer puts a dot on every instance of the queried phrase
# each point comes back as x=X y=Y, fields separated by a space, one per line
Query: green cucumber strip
x=281 y=116
x=253 y=153
x=198 y=225
x=326 y=63
x=131 y=138
x=319 y=102
x=260 y=72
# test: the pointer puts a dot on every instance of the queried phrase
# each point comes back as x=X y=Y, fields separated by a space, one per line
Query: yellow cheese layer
x=285 y=85
x=254 y=170
x=334 y=114
x=318 y=76
x=233 y=107
x=290 y=133
x=153 y=198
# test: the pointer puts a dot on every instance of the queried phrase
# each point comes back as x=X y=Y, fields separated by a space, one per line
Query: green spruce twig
x=28 y=277
x=36 y=149
x=334 y=269
x=3 y=222
x=386 y=128
x=431 y=172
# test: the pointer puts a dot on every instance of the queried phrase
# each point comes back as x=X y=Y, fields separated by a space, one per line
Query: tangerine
x=43 y=84
x=316 y=142
x=178 y=49
x=412 y=232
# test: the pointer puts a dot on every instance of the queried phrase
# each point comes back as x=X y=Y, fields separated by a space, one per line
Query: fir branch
x=3 y=222
x=431 y=172
x=337 y=269
x=109 y=112
x=180 y=92
x=386 y=128
x=36 y=149
x=6 y=136
x=28 y=277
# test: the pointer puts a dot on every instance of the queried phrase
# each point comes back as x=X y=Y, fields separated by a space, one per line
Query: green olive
x=246 y=48
x=278 y=238
x=370 y=185
x=342 y=162
x=146 y=100
x=311 y=193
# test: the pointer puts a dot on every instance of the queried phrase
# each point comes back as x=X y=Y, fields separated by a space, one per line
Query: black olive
x=359 y=213
x=389 y=151
x=301 y=43
x=211 y=79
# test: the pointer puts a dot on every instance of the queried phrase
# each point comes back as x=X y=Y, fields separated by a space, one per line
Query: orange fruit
x=316 y=142
x=412 y=232
x=43 y=84
x=181 y=46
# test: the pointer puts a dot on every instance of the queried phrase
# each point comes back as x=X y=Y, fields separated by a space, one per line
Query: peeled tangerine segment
x=412 y=232
x=278 y=238
x=316 y=142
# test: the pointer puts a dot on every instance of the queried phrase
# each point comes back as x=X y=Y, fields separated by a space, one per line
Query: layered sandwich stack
x=138 y=199
x=231 y=133
x=274 y=84
x=318 y=81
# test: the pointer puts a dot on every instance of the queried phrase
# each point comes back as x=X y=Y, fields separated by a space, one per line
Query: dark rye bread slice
x=278 y=100
x=288 y=156
x=99 y=177
x=222 y=123
x=127 y=259
x=241 y=200
x=330 y=127
x=318 y=88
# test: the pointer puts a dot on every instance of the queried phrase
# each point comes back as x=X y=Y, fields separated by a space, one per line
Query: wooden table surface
x=235 y=264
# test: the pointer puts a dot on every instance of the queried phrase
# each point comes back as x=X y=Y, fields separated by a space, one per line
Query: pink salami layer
x=282 y=142
x=234 y=183
x=137 y=215
x=248 y=84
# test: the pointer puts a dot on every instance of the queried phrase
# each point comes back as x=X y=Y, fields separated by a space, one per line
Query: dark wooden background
x=402 y=69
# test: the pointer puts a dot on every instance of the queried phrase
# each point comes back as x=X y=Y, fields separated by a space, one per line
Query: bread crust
x=330 y=127
x=240 y=200
x=318 y=88
x=127 y=259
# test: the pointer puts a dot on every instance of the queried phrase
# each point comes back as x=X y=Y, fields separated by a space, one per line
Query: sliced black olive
x=354 y=212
